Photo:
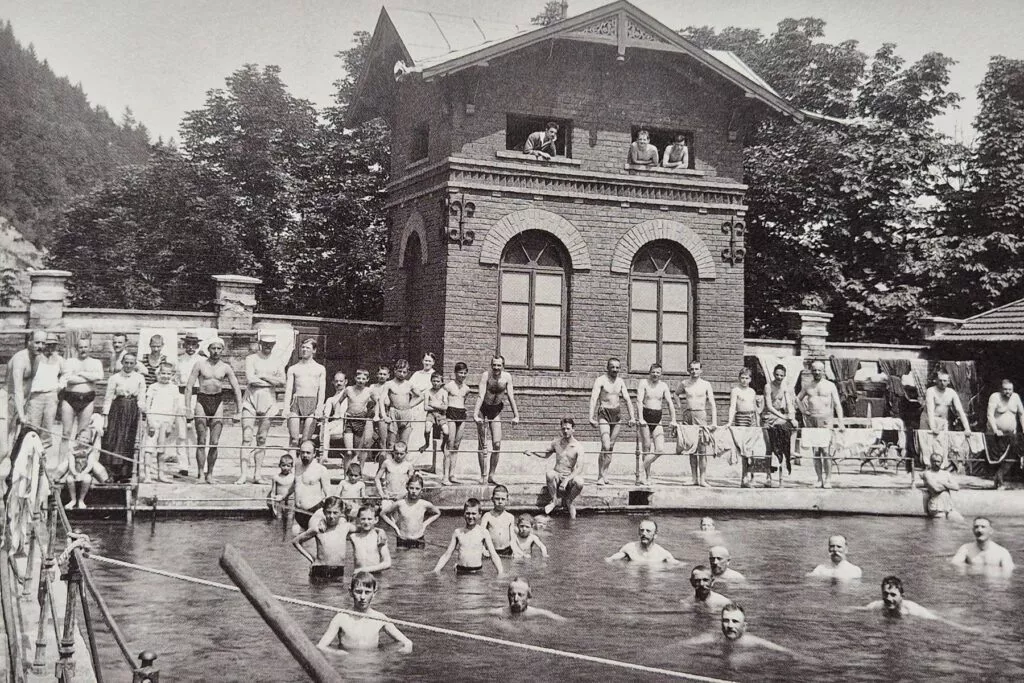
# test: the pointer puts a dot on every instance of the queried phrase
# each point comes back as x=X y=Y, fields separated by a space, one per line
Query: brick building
x=560 y=264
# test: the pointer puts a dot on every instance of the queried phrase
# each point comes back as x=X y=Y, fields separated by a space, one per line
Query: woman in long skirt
x=125 y=399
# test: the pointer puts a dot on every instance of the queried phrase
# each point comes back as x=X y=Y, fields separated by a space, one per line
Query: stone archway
x=535 y=219
x=663 y=229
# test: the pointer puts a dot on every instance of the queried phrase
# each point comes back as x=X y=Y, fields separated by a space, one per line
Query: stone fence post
x=236 y=301
x=811 y=329
x=47 y=298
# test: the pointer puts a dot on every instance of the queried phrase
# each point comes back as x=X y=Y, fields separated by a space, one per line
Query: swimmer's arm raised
x=399 y=637
x=447 y=554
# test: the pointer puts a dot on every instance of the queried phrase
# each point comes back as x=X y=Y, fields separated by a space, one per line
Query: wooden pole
x=277 y=618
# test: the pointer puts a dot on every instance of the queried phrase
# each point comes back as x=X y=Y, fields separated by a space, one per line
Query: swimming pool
x=616 y=611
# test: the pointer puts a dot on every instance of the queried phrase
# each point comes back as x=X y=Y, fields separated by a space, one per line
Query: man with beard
x=519 y=595
x=839 y=568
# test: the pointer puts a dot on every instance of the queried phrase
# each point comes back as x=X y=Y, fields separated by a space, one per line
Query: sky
x=160 y=57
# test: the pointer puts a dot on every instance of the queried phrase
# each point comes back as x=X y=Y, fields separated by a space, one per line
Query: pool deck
x=884 y=492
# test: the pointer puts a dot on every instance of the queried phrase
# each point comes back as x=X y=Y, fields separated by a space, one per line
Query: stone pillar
x=936 y=326
x=236 y=301
x=47 y=298
x=811 y=330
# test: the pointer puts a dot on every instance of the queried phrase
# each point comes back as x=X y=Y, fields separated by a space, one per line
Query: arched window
x=660 y=308
x=532 y=295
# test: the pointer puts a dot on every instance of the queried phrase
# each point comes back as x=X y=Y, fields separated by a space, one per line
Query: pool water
x=616 y=611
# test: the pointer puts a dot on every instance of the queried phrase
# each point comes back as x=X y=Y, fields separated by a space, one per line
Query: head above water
x=982 y=528
x=734 y=621
x=718 y=558
x=647 y=530
x=837 y=548
x=702 y=581
x=519 y=595
x=707 y=524
x=892 y=592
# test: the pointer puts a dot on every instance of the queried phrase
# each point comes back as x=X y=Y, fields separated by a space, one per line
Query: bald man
x=519 y=608
x=719 y=559
x=839 y=568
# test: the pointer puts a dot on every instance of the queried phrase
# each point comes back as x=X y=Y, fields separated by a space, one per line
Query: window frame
x=516 y=123
x=663 y=137
x=564 y=273
x=419 y=142
x=660 y=280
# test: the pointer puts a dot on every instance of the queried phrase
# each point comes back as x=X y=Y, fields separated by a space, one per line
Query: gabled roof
x=1005 y=323
x=435 y=44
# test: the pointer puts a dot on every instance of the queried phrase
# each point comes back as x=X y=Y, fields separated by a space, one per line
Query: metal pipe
x=91 y=633
x=277 y=618
x=101 y=604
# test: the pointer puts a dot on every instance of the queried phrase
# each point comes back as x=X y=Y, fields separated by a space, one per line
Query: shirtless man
x=1005 y=414
x=939 y=485
x=779 y=416
x=734 y=634
x=19 y=379
x=456 y=415
x=398 y=397
x=895 y=606
x=565 y=479
x=818 y=401
x=938 y=399
x=312 y=484
x=186 y=428
x=644 y=551
x=839 y=568
x=519 y=595
x=304 y=391
x=652 y=395
x=494 y=386
x=263 y=375
x=983 y=552
x=703 y=581
x=719 y=559
x=210 y=373
x=642 y=152
x=605 y=413
x=383 y=375
x=78 y=393
x=698 y=395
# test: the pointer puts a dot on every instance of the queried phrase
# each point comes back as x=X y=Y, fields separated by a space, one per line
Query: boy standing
x=165 y=406
x=281 y=485
x=525 y=540
x=743 y=413
x=437 y=411
x=499 y=522
x=470 y=541
x=456 y=414
x=360 y=402
x=331 y=535
x=395 y=470
x=369 y=544
x=411 y=516
x=353 y=489
x=361 y=632
x=398 y=397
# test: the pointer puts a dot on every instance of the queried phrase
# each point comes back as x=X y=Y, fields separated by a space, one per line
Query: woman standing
x=122 y=406
x=420 y=381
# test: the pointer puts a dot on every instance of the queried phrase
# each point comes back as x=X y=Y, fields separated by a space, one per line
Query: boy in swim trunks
x=606 y=413
x=393 y=474
x=331 y=536
x=743 y=413
x=281 y=485
x=362 y=631
x=494 y=386
x=470 y=541
x=83 y=467
x=437 y=410
x=382 y=427
x=360 y=404
x=652 y=394
x=411 y=516
x=263 y=376
x=304 y=391
x=398 y=397
x=565 y=479
x=456 y=413
x=369 y=544
x=499 y=522
x=164 y=407
x=353 y=489
x=525 y=540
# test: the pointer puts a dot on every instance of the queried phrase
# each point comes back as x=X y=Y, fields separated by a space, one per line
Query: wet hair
x=364 y=508
x=165 y=366
x=156 y=338
x=415 y=476
x=363 y=578
x=401 y=364
x=567 y=421
x=894 y=582
x=499 y=487
x=285 y=458
x=525 y=517
x=737 y=607
x=354 y=468
x=471 y=503
x=460 y=366
x=778 y=367
x=436 y=375
x=332 y=502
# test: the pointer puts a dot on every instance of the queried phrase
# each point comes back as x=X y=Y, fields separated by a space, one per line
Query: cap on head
x=268 y=339
x=52 y=338
x=216 y=341
x=191 y=337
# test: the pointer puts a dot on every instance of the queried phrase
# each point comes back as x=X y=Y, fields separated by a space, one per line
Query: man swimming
x=983 y=552
x=519 y=595
x=703 y=581
x=839 y=568
x=644 y=551
x=734 y=634
x=718 y=558
x=606 y=413
x=895 y=606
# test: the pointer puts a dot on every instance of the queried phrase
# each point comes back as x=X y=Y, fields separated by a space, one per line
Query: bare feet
x=241 y=480
x=81 y=505
x=572 y=511
x=423 y=448
x=549 y=508
x=164 y=480
x=146 y=480
x=205 y=480
x=490 y=480
x=70 y=506
x=705 y=484
x=827 y=485
x=260 y=481
x=602 y=482
x=445 y=482
x=483 y=480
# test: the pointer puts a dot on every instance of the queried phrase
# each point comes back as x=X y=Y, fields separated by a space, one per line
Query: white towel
x=815 y=437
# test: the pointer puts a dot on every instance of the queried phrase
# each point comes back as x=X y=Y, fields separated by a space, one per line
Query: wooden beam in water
x=280 y=622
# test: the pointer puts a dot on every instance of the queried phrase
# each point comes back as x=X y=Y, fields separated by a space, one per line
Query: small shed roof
x=1005 y=323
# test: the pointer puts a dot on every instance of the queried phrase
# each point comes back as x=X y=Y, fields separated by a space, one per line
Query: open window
x=518 y=127
x=663 y=137
x=419 y=144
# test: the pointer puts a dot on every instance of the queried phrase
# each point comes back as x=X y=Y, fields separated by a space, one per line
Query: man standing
x=1005 y=413
x=20 y=369
x=311 y=485
x=938 y=399
x=698 y=396
x=78 y=395
x=210 y=374
x=983 y=552
x=494 y=386
x=542 y=143
x=565 y=479
x=263 y=375
x=41 y=407
x=652 y=395
x=780 y=417
x=839 y=568
x=186 y=428
x=606 y=413
x=818 y=402
x=118 y=347
x=304 y=392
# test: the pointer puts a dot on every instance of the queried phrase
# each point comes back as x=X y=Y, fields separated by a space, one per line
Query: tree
x=554 y=10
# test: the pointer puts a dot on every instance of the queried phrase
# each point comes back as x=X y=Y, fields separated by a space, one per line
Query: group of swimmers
x=496 y=533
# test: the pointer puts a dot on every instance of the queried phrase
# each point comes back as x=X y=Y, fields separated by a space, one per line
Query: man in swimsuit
x=734 y=634
x=645 y=550
x=304 y=392
x=312 y=484
x=699 y=396
x=895 y=606
x=1005 y=414
x=606 y=413
x=642 y=152
x=186 y=428
x=456 y=415
x=398 y=397
x=494 y=385
x=565 y=479
x=383 y=375
x=19 y=376
x=360 y=407
x=818 y=401
x=839 y=568
x=263 y=375
x=210 y=373
x=519 y=595
x=78 y=395
x=652 y=394
x=703 y=582
x=983 y=551
x=938 y=399
x=780 y=416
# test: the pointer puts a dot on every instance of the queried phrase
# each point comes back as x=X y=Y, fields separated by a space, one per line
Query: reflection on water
x=616 y=611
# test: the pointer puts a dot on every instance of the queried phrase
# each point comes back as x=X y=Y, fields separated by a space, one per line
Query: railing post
x=147 y=673
x=45 y=571
x=65 y=667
